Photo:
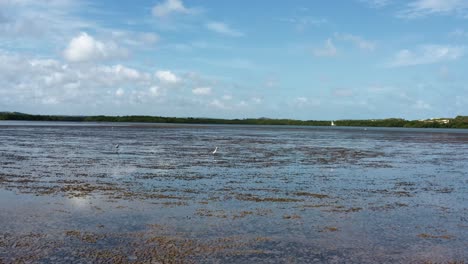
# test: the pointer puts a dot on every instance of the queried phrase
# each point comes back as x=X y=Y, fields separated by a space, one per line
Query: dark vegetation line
x=457 y=122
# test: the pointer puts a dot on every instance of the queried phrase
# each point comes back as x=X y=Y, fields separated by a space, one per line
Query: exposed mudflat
x=269 y=194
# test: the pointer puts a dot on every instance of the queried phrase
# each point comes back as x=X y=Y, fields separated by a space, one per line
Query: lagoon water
x=271 y=194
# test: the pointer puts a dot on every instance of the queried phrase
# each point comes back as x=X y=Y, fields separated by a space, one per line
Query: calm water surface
x=269 y=195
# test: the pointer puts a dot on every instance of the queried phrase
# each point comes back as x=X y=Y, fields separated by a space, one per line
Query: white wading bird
x=214 y=151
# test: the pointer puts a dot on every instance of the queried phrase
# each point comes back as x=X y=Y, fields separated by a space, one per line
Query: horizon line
x=219 y=118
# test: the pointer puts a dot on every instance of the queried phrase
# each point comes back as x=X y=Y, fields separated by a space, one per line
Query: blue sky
x=235 y=59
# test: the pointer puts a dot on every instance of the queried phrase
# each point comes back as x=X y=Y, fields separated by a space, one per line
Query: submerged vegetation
x=269 y=195
x=457 y=122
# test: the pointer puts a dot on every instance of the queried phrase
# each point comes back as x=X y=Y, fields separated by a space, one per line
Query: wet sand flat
x=269 y=194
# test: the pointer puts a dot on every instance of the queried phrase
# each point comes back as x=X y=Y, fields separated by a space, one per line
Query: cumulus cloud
x=202 y=91
x=84 y=48
x=168 y=7
x=167 y=77
x=223 y=29
x=427 y=54
x=421 y=8
x=122 y=72
x=329 y=50
x=25 y=81
x=38 y=85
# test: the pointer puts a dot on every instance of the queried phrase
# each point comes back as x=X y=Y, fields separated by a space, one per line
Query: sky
x=301 y=59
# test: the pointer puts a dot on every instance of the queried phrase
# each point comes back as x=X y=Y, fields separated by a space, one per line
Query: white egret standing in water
x=214 y=151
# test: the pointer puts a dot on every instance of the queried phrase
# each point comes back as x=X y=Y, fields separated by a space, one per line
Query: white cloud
x=44 y=62
x=119 y=92
x=122 y=72
x=54 y=78
x=223 y=29
x=202 y=91
x=427 y=54
x=155 y=91
x=40 y=19
x=167 y=77
x=169 y=7
x=421 y=8
x=47 y=86
x=329 y=50
x=45 y=81
x=218 y=104
x=360 y=42
x=84 y=48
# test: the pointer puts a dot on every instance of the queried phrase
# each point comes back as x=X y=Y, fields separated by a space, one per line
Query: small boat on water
x=333 y=123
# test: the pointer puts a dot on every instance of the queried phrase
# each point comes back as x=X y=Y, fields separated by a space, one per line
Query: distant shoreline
x=457 y=122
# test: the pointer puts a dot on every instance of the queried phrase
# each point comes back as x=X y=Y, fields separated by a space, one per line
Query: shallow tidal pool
x=271 y=194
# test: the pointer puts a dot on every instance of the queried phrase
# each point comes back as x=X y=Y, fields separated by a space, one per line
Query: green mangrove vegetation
x=457 y=122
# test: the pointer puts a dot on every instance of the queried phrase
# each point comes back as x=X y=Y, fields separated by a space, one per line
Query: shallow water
x=269 y=195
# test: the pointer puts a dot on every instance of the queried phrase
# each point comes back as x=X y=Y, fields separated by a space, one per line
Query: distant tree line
x=457 y=122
